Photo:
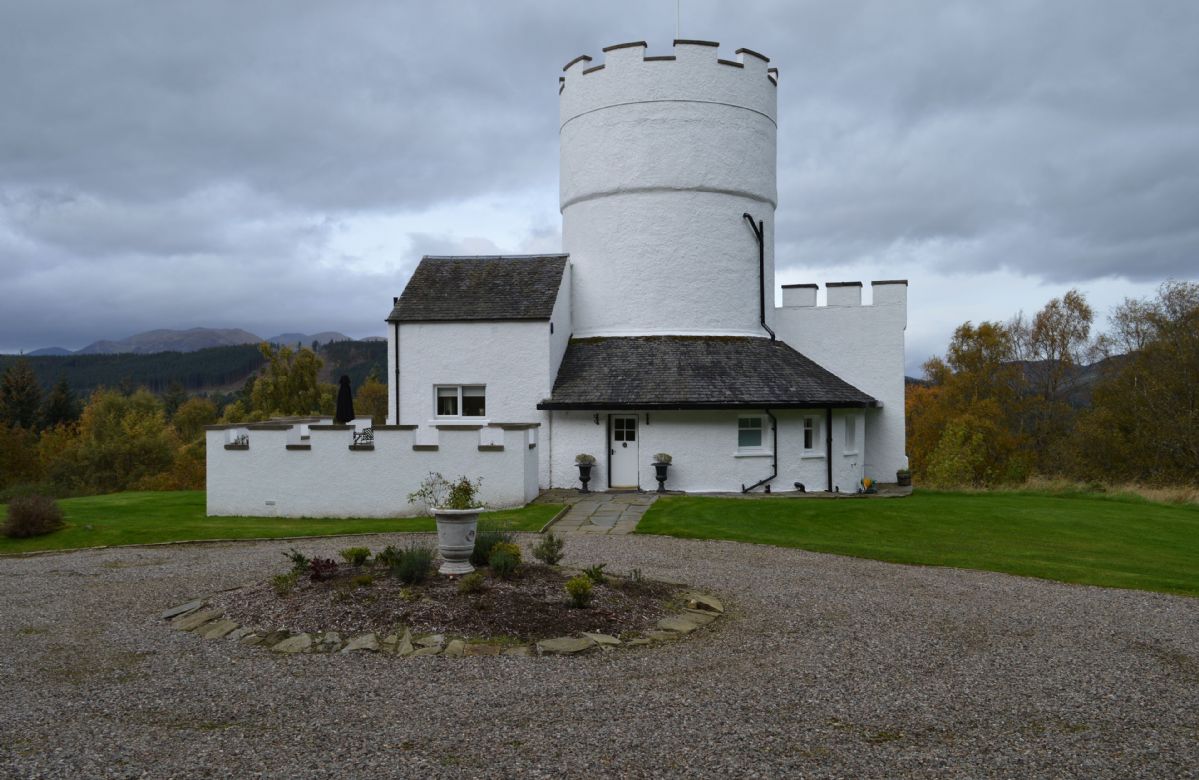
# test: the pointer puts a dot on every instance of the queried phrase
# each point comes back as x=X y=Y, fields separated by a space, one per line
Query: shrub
x=579 y=590
x=596 y=573
x=414 y=564
x=662 y=457
x=487 y=535
x=549 y=549
x=32 y=516
x=363 y=581
x=283 y=583
x=437 y=491
x=503 y=563
x=320 y=569
x=389 y=556
x=299 y=561
x=356 y=556
x=585 y=459
x=472 y=583
x=511 y=548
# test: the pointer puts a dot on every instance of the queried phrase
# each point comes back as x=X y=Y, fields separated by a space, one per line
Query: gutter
x=774 y=467
x=760 y=233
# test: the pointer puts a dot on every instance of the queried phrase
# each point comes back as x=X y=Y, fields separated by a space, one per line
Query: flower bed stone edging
x=196 y=617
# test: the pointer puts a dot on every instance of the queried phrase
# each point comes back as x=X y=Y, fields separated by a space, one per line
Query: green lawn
x=1095 y=540
x=141 y=518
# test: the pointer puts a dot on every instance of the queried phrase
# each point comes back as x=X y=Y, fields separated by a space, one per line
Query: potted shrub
x=584 y=462
x=661 y=464
x=903 y=477
x=456 y=507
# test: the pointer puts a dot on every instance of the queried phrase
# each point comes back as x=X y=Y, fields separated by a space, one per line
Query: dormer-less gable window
x=461 y=401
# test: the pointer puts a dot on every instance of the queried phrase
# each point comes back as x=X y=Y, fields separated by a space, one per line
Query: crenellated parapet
x=840 y=294
x=695 y=71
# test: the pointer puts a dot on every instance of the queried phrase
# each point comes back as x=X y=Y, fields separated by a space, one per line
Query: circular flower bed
x=394 y=603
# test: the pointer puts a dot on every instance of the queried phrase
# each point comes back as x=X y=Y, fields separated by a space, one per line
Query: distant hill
x=165 y=340
x=212 y=370
x=50 y=352
x=324 y=337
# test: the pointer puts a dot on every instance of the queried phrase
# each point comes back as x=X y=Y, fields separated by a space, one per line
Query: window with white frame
x=811 y=432
x=749 y=433
x=461 y=401
x=851 y=433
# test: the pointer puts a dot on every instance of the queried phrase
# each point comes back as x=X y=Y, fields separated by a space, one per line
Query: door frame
x=612 y=450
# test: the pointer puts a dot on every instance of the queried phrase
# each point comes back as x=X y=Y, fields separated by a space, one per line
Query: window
x=851 y=433
x=624 y=429
x=749 y=432
x=810 y=429
x=461 y=401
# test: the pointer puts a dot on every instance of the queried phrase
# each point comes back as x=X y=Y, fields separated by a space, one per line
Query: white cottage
x=654 y=331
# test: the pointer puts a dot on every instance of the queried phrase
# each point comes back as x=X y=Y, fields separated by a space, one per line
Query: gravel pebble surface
x=823 y=667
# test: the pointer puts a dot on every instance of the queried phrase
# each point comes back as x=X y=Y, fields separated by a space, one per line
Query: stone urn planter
x=661 y=466
x=903 y=478
x=456 y=538
x=455 y=507
x=585 y=463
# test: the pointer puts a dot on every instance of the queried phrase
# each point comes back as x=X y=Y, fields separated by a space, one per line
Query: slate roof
x=505 y=287
x=695 y=372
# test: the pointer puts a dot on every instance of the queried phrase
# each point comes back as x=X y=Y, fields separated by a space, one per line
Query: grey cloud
x=161 y=163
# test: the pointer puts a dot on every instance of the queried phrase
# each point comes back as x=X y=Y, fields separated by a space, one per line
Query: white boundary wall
x=282 y=474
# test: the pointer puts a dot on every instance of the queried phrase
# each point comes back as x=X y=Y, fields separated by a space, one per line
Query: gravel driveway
x=825 y=667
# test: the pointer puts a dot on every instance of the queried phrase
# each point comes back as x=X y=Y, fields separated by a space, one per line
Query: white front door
x=623 y=451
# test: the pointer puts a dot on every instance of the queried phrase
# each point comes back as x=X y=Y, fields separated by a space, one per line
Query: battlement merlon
x=695 y=71
x=846 y=294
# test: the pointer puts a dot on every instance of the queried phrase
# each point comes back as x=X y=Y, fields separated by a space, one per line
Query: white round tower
x=661 y=157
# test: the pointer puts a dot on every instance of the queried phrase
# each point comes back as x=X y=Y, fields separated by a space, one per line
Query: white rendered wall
x=331 y=480
x=864 y=345
x=659 y=160
x=516 y=361
x=511 y=358
x=704 y=447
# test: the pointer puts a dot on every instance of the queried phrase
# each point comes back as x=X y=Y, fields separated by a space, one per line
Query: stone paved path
x=598 y=513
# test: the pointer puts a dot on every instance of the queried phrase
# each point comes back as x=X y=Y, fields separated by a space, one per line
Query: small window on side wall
x=461 y=401
x=749 y=433
x=851 y=433
x=810 y=430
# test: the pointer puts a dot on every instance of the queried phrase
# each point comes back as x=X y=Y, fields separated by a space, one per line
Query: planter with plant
x=584 y=462
x=661 y=464
x=456 y=506
x=903 y=477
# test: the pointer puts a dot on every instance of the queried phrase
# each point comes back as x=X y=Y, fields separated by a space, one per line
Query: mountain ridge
x=188 y=340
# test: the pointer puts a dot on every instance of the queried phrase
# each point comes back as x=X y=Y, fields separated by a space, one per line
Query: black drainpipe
x=828 y=445
x=774 y=467
x=759 y=229
x=396 y=378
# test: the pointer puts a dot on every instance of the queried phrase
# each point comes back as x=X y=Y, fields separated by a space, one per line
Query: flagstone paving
x=598 y=513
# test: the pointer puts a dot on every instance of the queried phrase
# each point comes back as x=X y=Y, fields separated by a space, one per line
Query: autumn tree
x=965 y=428
x=1054 y=347
x=60 y=408
x=372 y=399
x=20 y=395
x=289 y=383
x=1144 y=421
x=124 y=442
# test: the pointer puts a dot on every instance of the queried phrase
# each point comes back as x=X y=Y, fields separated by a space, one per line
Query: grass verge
x=148 y=517
x=1118 y=542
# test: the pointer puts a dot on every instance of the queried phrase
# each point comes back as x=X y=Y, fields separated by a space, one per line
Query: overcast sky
x=282 y=166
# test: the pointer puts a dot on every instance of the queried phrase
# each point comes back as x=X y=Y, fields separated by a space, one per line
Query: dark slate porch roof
x=503 y=287
x=695 y=372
